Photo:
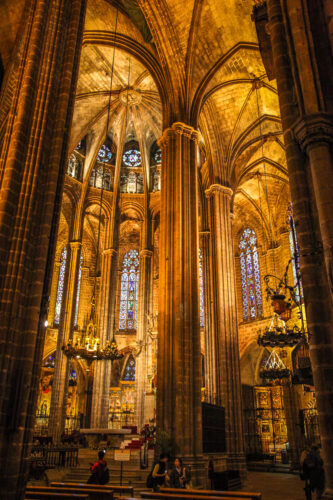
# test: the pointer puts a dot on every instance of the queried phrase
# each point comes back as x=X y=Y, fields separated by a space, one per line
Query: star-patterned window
x=104 y=154
x=250 y=275
x=77 y=300
x=158 y=156
x=60 y=288
x=132 y=158
x=129 y=372
x=201 y=288
x=129 y=291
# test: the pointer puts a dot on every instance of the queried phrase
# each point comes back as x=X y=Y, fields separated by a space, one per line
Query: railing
x=72 y=423
x=55 y=457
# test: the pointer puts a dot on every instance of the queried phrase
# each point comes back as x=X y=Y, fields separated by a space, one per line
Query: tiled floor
x=274 y=486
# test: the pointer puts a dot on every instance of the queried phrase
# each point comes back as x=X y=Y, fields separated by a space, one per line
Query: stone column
x=33 y=157
x=179 y=365
x=143 y=311
x=317 y=293
x=225 y=320
x=210 y=349
x=65 y=331
x=102 y=371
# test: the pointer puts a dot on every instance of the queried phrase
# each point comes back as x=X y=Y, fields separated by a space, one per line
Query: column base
x=236 y=461
x=199 y=470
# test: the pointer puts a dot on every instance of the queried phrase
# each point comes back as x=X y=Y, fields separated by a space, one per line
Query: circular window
x=132 y=158
x=158 y=156
x=104 y=154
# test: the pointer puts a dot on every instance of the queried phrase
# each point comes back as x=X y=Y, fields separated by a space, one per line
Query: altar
x=108 y=437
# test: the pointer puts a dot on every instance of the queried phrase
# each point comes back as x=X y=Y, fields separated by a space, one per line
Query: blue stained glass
x=60 y=289
x=132 y=158
x=129 y=372
x=104 y=154
x=250 y=275
x=129 y=291
x=201 y=286
x=78 y=292
x=294 y=251
x=158 y=156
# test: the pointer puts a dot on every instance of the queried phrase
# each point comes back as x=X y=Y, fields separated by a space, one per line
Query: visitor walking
x=180 y=476
x=99 y=471
x=313 y=472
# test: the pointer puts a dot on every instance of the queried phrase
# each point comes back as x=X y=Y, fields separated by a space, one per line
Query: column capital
x=179 y=128
x=146 y=253
x=312 y=129
x=110 y=251
x=75 y=244
x=218 y=188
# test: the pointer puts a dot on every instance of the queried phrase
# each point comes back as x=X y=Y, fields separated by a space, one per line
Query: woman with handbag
x=180 y=476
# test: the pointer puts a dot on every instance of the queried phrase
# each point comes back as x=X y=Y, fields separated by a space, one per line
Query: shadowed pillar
x=179 y=358
x=33 y=157
x=225 y=321
x=313 y=215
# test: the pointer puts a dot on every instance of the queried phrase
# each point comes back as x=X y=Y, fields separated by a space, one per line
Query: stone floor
x=274 y=486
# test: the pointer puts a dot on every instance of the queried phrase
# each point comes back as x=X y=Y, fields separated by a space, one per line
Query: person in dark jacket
x=160 y=472
x=99 y=470
x=313 y=469
x=180 y=476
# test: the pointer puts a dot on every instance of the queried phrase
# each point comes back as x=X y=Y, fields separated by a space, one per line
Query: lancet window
x=60 y=288
x=250 y=275
x=129 y=291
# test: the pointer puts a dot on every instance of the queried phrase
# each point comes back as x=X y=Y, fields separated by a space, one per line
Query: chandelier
x=87 y=345
x=278 y=334
x=274 y=368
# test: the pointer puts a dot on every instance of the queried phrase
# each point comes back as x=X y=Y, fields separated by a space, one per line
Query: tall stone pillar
x=210 y=348
x=316 y=284
x=102 y=371
x=143 y=311
x=65 y=331
x=33 y=157
x=225 y=320
x=179 y=364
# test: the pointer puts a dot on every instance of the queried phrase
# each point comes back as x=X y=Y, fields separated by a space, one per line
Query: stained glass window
x=294 y=251
x=79 y=145
x=97 y=176
x=158 y=156
x=74 y=167
x=129 y=291
x=104 y=154
x=132 y=158
x=157 y=181
x=250 y=275
x=201 y=287
x=77 y=300
x=129 y=372
x=60 y=289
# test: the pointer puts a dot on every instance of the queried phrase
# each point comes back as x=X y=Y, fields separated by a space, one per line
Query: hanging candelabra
x=274 y=368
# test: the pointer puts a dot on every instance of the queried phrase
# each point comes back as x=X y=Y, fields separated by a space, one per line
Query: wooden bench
x=128 y=490
x=229 y=494
x=35 y=495
x=180 y=496
x=93 y=494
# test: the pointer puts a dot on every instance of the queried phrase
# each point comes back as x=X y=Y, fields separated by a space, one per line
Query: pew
x=229 y=494
x=38 y=495
x=128 y=490
x=92 y=493
x=180 y=496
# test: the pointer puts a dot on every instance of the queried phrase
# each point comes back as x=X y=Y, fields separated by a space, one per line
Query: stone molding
x=312 y=129
x=179 y=128
x=146 y=253
x=110 y=251
x=75 y=244
x=218 y=188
